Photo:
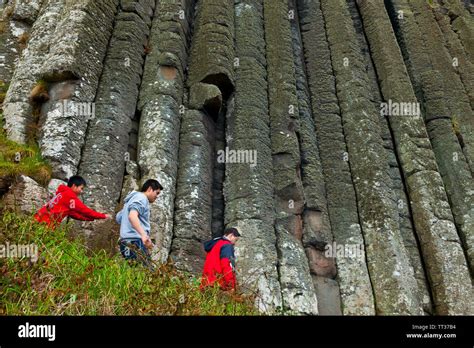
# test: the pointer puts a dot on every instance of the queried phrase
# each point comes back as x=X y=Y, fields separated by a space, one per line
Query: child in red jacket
x=66 y=203
x=220 y=261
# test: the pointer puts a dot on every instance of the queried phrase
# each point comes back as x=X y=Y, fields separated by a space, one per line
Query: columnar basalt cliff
x=336 y=135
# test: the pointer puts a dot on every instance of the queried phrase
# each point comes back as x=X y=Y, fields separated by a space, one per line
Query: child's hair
x=233 y=231
x=76 y=180
x=154 y=184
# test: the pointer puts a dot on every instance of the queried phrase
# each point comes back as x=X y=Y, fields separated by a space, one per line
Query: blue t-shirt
x=139 y=202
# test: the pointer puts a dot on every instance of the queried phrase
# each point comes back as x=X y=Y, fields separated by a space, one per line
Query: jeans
x=134 y=249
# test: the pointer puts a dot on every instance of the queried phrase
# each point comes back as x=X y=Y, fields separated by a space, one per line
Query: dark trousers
x=134 y=249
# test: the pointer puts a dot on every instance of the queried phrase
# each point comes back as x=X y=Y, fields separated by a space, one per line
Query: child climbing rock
x=220 y=261
x=67 y=204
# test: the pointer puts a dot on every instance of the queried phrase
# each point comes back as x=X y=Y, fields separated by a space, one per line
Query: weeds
x=68 y=279
x=23 y=40
x=19 y=159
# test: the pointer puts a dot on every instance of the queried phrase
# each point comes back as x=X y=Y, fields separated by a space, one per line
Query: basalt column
x=105 y=151
x=16 y=19
x=461 y=22
x=17 y=108
x=161 y=106
x=446 y=265
x=211 y=83
x=316 y=233
x=396 y=183
x=248 y=188
x=446 y=103
x=459 y=59
x=73 y=68
x=390 y=270
x=298 y=292
x=355 y=287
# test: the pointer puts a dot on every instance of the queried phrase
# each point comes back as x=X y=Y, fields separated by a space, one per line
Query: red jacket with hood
x=65 y=203
x=219 y=264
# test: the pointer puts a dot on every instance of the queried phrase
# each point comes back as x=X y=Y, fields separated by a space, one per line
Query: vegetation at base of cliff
x=69 y=279
x=18 y=159
x=3 y=90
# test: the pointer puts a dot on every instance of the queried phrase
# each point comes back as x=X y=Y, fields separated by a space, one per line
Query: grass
x=3 y=90
x=432 y=3
x=5 y=18
x=8 y=12
x=68 y=279
x=39 y=93
x=457 y=130
x=455 y=125
x=19 y=159
x=23 y=40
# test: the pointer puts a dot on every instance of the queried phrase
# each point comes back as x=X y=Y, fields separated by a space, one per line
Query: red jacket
x=219 y=264
x=65 y=203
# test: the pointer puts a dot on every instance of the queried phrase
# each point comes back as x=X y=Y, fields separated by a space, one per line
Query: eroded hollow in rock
x=222 y=81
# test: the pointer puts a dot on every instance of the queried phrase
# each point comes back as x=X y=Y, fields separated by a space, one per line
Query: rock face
x=25 y=195
x=336 y=135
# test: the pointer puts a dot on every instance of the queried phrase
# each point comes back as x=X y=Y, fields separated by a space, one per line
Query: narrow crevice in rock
x=218 y=203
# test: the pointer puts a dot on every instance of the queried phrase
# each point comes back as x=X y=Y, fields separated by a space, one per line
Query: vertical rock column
x=459 y=60
x=161 y=106
x=210 y=82
x=193 y=206
x=316 y=225
x=73 y=66
x=462 y=24
x=297 y=288
x=455 y=96
x=105 y=151
x=17 y=109
x=390 y=270
x=248 y=190
x=16 y=19
x=444 y=97
x=396 y=183
x=443 y=255
x=354 y=281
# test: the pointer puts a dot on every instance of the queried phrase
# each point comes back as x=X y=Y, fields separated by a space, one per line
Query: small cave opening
x=223 y=82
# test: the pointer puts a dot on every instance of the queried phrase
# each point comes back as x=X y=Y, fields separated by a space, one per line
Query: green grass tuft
x=68 y=279
x=19 y=159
